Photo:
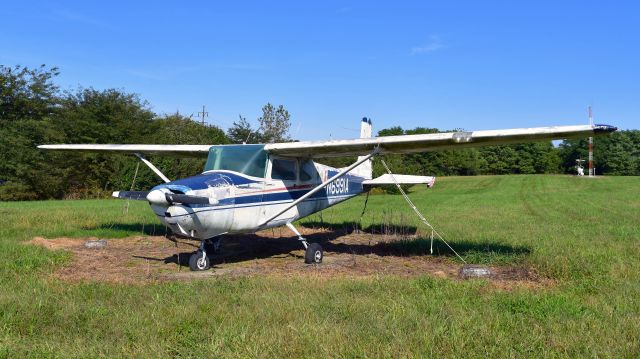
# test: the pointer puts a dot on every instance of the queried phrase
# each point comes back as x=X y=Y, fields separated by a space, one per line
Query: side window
x=307 y=171
x=283 y=169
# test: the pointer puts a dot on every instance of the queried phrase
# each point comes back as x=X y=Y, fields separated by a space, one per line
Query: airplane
x=250 y=187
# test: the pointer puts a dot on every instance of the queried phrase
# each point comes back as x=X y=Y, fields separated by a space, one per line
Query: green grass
x=582 y=233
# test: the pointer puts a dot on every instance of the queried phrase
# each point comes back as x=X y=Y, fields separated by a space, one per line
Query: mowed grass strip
x=582 y=233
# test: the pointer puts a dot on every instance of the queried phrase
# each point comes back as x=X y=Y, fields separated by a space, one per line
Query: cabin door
x=308 y=179
x=282 y=176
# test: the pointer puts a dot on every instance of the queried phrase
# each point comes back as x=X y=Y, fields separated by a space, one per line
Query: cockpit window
x=250 y=160
x=283 y=169
x=308 y=171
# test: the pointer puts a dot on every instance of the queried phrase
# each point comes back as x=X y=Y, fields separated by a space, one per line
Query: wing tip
x=602 y=128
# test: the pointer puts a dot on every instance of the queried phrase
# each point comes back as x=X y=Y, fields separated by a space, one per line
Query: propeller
x=165 y=197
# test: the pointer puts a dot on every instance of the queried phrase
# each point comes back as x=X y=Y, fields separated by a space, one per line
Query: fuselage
x=241 y=203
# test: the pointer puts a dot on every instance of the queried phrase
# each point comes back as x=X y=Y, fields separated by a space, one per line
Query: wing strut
x=153 y=168
x=322 y=185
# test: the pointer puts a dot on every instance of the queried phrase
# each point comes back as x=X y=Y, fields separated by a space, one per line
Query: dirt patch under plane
x=271 y=252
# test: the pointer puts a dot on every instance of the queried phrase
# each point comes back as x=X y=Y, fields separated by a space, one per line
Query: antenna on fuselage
x=248 y=137
x=297 y=129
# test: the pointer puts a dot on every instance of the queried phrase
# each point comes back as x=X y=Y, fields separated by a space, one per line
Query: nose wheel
x=199 y=261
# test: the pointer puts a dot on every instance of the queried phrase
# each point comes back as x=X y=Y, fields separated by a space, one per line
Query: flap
x=386 y=179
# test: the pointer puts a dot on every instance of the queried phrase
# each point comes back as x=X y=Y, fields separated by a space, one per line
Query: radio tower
x=203 y=114
x=592 y=171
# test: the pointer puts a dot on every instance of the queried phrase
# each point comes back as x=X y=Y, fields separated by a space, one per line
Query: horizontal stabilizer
x=386 y=179
x=139 y=195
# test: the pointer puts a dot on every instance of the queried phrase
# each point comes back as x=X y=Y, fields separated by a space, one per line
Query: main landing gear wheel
x=199 y=261
x=313 y=254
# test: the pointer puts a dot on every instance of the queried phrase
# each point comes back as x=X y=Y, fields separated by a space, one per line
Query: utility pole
x=592 y=171
x=203 y=114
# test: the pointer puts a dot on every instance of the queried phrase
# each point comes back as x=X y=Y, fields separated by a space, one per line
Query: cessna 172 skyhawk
x=246 y=188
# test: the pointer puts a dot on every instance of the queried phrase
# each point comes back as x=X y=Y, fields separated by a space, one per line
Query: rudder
x=365 y=169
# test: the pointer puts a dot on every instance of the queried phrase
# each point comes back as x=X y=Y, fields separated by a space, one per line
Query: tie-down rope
x=126 y=206
x=420 y=216
x=366 y=200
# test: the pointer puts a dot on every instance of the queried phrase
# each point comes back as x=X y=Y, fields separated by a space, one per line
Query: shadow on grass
x=348 y=227
x=472 y=252
x=241 y=248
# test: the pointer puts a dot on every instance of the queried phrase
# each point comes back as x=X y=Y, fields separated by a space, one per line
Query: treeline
x=34 y=111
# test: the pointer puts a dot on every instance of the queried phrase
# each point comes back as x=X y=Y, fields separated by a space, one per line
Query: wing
x=431 y=142
x=175 y=150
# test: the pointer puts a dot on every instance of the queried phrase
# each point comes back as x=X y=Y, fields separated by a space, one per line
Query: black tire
x=313 y=254
x=197 y=264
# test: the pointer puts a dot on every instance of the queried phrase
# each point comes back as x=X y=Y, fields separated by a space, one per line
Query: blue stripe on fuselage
x=354 y=189
x=200 y=182
x=258 y=204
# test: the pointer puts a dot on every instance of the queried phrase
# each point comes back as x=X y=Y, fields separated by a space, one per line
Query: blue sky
x=454 y=64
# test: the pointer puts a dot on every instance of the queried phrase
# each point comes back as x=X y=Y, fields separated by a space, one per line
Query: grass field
x=582 y=234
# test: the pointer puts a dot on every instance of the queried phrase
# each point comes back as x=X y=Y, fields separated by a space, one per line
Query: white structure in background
x=579 y=167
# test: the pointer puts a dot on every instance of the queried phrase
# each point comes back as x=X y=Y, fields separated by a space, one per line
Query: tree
x=242 y=132
x=104 y=116
x=615 y=154
x=274 y=124
x=99 y=116
x=28 y=97
x=27 y=93
x=391 y=131
x=29 y=172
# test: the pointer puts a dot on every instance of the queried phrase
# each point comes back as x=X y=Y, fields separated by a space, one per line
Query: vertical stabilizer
x=364 y=170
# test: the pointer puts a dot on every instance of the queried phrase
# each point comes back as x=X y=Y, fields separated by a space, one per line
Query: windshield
x=248 y=159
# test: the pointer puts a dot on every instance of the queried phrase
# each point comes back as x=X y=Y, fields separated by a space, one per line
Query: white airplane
x=246 y=188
